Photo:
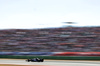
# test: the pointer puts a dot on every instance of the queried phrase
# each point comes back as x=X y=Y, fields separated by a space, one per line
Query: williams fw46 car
x=35 y=60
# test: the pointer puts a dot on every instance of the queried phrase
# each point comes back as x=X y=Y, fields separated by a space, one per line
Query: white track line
x=51 y=62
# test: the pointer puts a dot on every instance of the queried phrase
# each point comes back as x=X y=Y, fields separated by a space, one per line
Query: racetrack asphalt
x=50 y=62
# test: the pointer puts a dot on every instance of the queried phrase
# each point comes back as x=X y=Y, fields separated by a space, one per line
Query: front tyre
x=28 y=60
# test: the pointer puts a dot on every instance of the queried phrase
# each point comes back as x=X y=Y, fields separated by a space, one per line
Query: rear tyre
x=42 y=60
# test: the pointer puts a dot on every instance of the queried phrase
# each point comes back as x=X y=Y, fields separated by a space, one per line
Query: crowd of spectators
x=69 y=39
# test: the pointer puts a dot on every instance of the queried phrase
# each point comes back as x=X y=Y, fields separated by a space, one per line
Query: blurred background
x=50 y=27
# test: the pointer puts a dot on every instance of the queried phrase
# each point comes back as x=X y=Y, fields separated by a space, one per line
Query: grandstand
x=68 y=39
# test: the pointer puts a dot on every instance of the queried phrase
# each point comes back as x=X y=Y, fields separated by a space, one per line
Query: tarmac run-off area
x=49 y=62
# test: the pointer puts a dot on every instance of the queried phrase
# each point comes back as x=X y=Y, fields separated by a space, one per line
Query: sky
x=30 y=14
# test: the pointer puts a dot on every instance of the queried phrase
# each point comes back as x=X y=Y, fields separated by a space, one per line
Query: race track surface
x=50 y=62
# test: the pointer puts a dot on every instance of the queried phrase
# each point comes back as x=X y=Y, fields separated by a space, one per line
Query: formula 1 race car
x=35 y=60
